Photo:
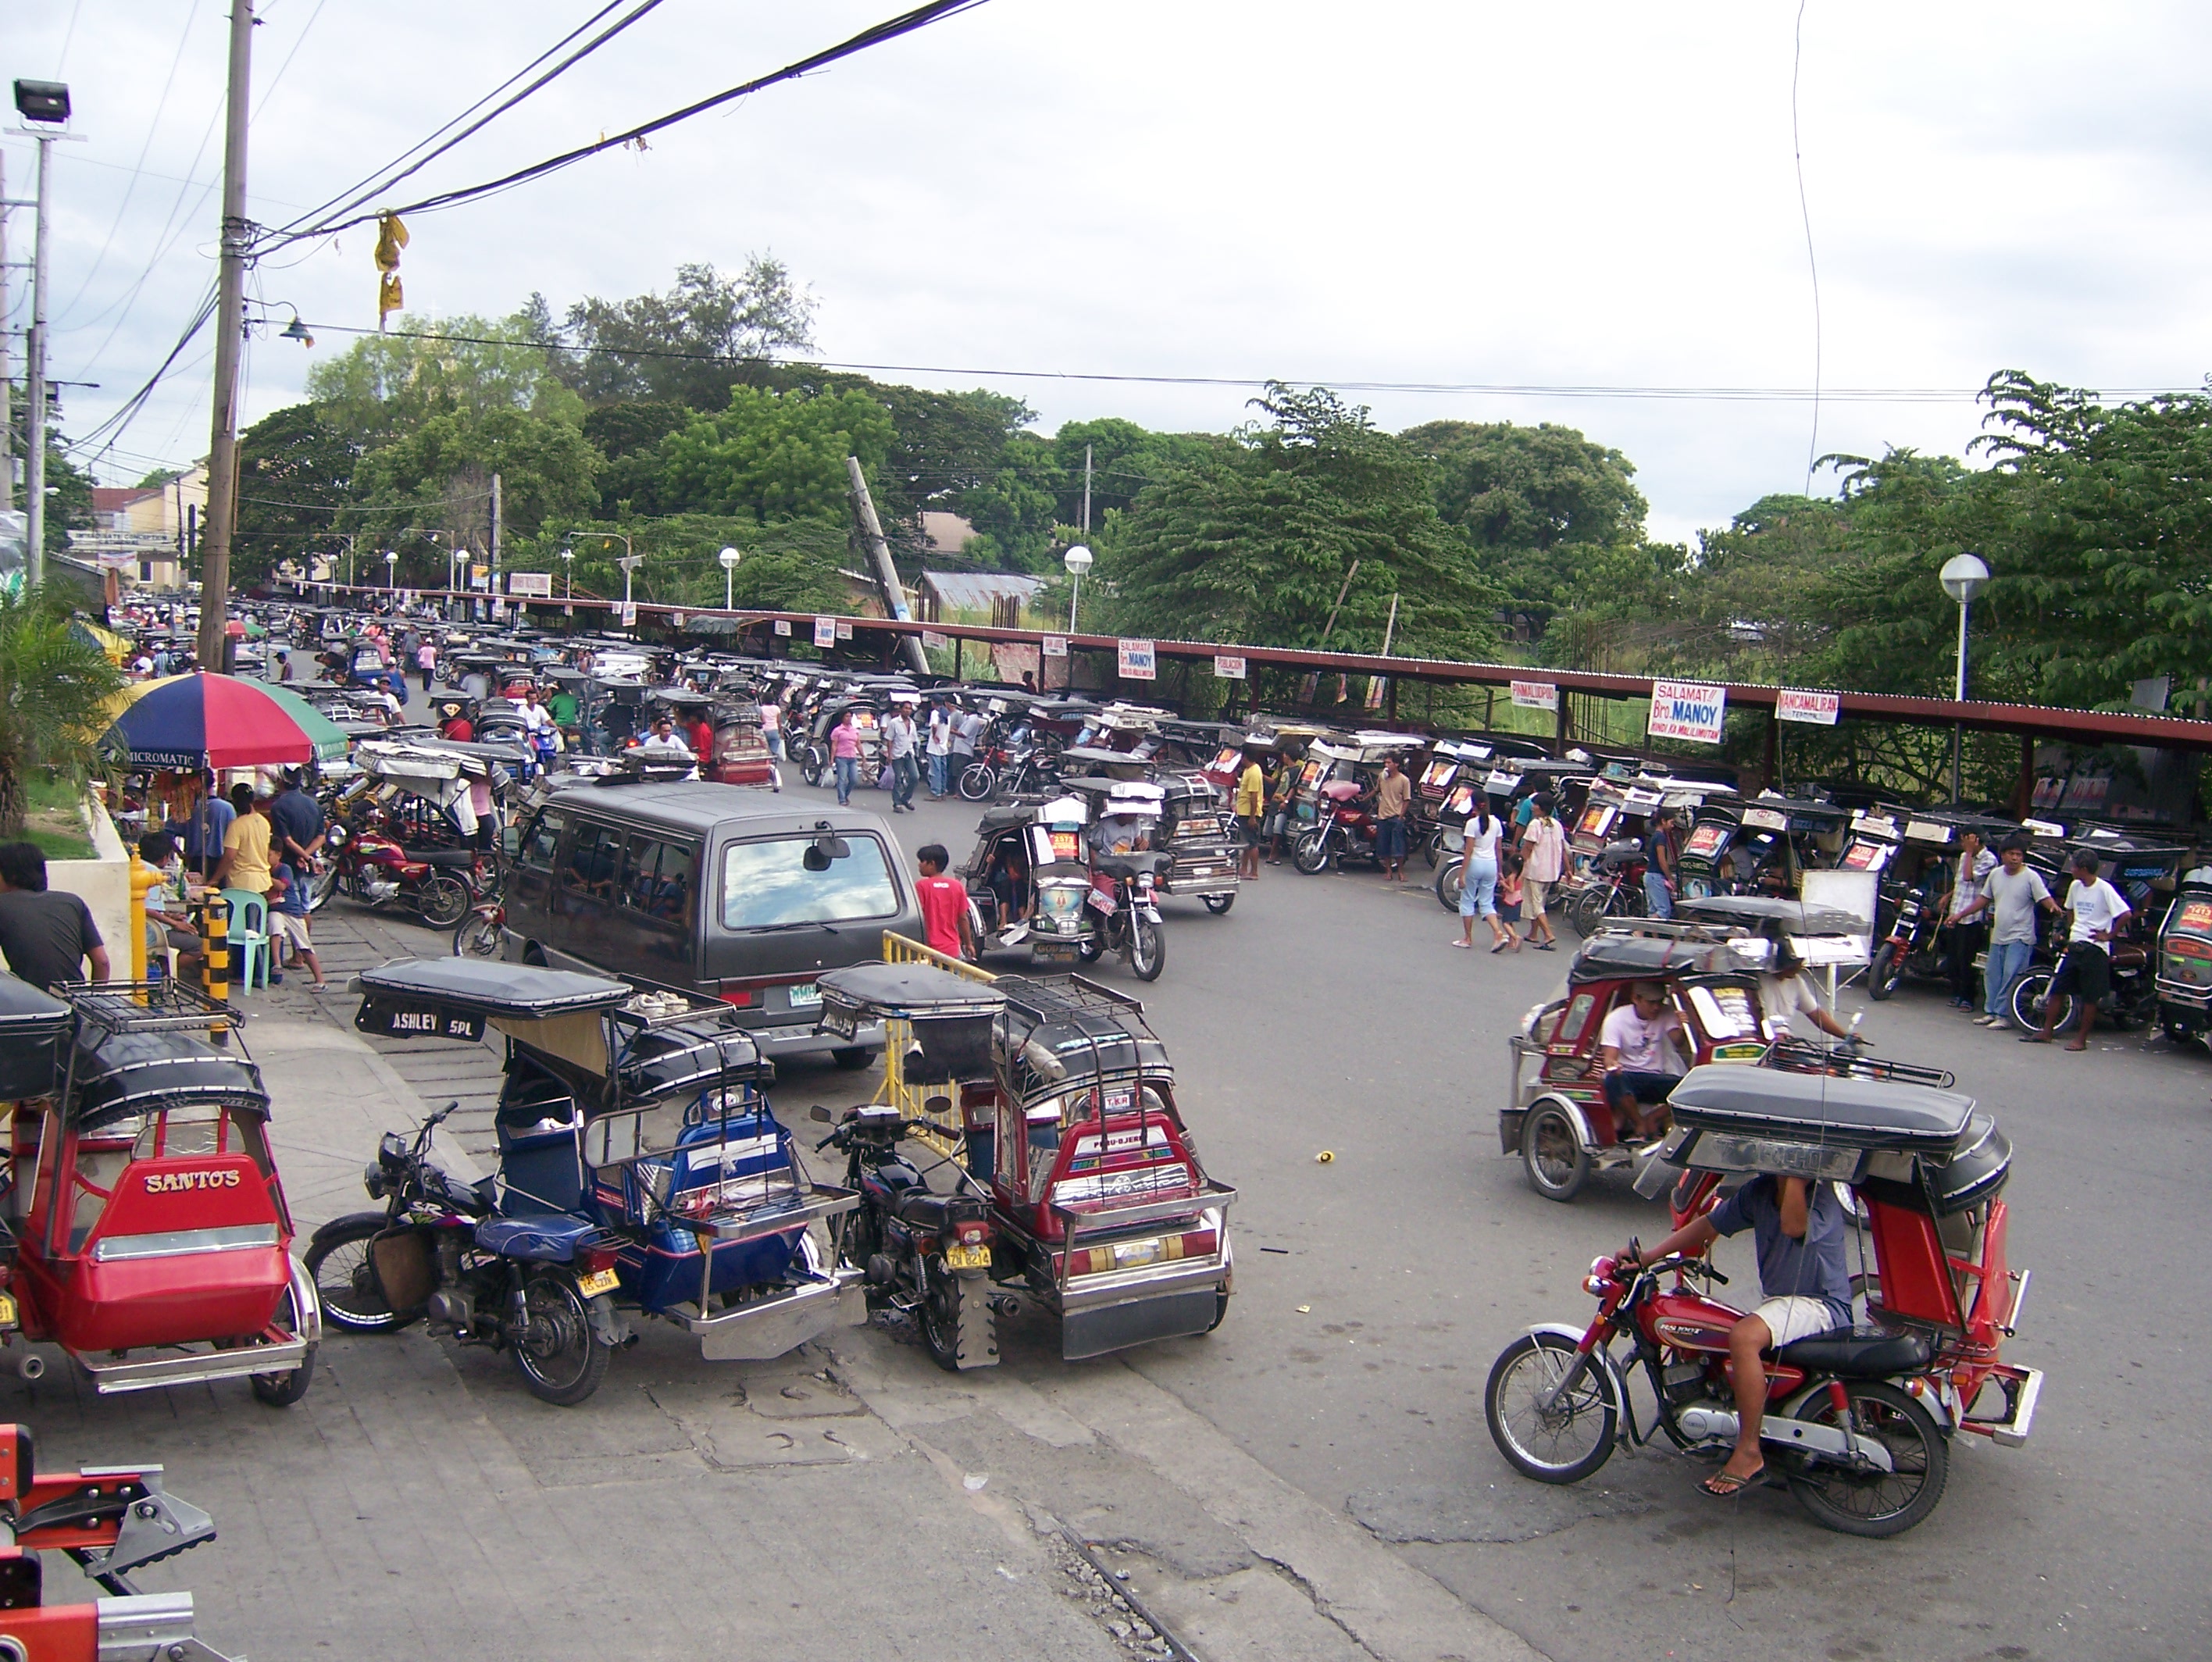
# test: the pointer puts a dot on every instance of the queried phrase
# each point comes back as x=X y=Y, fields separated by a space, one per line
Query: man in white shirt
x=2100 y=911
x=1967 y=917
x=2014 y=890
x=939 y=751
x=1787 y=991
x=898 y=747
x=1631 y=1051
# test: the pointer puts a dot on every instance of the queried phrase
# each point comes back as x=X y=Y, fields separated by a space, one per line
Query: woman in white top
x=1478 y=894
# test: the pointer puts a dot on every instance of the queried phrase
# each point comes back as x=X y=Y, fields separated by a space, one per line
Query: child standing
x=288 y=921
x=1508 y=894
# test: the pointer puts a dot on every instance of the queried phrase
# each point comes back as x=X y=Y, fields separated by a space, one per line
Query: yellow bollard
x=214 y=933
x=144 y=879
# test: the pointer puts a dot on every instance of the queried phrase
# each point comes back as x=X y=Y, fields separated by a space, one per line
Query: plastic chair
x=249 y=936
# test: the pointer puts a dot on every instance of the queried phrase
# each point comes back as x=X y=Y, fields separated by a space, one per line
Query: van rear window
x=767 y=884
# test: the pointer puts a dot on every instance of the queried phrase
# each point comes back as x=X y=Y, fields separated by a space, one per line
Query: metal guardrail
x=950 y=1140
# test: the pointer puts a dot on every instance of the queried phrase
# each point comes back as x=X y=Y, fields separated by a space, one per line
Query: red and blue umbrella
x=201 y=720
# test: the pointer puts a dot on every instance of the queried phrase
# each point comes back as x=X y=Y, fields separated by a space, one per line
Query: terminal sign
x=1684 y=709
x=1820 y=709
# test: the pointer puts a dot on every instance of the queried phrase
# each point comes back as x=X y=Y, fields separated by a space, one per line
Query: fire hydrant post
x=144 y=879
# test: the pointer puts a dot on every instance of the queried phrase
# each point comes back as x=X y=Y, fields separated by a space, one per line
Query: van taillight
x=742 y=998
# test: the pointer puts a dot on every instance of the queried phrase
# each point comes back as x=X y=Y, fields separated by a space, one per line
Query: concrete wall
x=103 y=884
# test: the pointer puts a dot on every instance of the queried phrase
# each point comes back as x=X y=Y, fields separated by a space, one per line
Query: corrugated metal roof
x=976 y=590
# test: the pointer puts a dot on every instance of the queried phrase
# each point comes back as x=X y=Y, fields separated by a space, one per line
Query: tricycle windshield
x=801 y=880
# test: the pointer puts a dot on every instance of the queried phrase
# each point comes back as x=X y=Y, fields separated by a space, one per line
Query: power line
x=891 y=29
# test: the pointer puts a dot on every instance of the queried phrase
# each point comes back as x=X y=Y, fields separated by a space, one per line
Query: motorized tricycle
x=145 y=1227
x=365 y=862
x=640 y=1170
x=1101 y=1214
x=1050 y=877
x=2185 y=960
x=1194 y=825
x=1761 y=845
x=1915 y=852
x=1859 y=1422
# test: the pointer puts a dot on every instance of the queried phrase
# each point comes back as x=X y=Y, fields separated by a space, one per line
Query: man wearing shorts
x=287 y=923
x=1543 y=863
x=1798 y=1229
x=1631 y=1051
x=1251 y=799
x=1394 y=796
x=2098 y=912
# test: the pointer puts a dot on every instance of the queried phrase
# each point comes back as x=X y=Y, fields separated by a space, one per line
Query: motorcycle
x=1122 y=894
x=1614 y=889
x=923 y=1252
x=1913 y=946
x=2133 y=999
x=1345 y=830
x=1859 y=1422
x=420 y=1196
x=481 y=932
x=1000 y=773
x=365 y=865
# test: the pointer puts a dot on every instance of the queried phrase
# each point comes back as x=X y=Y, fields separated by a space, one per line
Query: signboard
x=479 y=577
x=1820 y=709
x=535 y=586
x=1227 y=668
x=934 y=641
x=825 y=631
x=1137 y=661
x=1765 y=819
x=1055 y=645
x=1706 y=841
x=1687 y=709
x=1536 y=696
x=629 y=613
x=783 y=627
x=844 y=628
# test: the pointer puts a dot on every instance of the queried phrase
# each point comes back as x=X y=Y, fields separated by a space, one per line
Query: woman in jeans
x=1478 y=893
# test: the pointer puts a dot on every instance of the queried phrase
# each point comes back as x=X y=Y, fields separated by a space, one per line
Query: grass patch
x=52 y=820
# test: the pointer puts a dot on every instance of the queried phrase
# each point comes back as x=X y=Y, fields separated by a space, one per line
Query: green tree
x=385 y=386
x=690 y=343
x=295 y=476
x=438 y=477
x=773 y=456
x=55 y=692
x=1256 y=543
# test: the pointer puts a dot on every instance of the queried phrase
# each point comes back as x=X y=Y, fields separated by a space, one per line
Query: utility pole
x=230 y=324
x=887 y=577
x=35 y=389
x=1086 y=493
x=7 y=372
x=494 y=542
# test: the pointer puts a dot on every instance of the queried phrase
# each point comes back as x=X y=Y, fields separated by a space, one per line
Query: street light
x=1962 y=578
x=1078 y=561
x=568 y=567
x=391 y=569
x=729 y=557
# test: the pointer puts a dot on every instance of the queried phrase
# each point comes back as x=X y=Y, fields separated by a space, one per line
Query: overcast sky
x=1441 y=192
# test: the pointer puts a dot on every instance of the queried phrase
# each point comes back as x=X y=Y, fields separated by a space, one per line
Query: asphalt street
x=1328 y=1015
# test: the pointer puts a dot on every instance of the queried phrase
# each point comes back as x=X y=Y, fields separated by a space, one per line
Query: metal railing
x=896 y=1092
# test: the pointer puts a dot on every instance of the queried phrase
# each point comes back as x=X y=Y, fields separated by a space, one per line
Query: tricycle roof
x=1614 y=954
x=906 y=990
x=29 y=1012
x=1766 y=912
x=478 y=986
x=1061 y=1029
x=1847 y=1112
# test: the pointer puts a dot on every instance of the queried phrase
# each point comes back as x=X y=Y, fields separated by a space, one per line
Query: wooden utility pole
x=1329 y=627
x=230 y=327
x=887 y=577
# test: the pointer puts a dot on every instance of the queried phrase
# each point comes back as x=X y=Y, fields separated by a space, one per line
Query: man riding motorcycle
x=1797 y=1231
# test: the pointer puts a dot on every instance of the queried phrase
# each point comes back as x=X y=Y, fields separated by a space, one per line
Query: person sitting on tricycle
x=1797 y=1231
x=1637 y=1084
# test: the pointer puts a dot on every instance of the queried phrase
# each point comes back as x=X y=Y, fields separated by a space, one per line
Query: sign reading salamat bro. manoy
x=1684 y=709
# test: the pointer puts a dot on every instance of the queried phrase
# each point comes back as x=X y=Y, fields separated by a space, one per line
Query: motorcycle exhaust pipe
x=31 y=1366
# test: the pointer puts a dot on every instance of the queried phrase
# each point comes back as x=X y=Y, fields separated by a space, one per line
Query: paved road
x=1374 y=1291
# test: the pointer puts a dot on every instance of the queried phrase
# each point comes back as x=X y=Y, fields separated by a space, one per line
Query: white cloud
x=1408 y=193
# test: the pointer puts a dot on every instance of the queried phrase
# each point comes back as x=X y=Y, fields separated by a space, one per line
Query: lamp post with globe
x=729 y=557
x=1963 y=576
x=1078 y=561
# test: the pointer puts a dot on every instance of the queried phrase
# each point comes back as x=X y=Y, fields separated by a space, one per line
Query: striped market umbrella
x=201 y=720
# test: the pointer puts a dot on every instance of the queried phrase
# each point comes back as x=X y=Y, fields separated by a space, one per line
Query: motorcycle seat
x=540 y=1240
x=1859 y=1353
x=922 y=1208
x=454 y=858
x=1132 y=865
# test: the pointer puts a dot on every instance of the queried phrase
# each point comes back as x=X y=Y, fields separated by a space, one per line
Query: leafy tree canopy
x=438 y=478
x=773 y=456
x=385 y=386
x=295 y=474
x=688 y=344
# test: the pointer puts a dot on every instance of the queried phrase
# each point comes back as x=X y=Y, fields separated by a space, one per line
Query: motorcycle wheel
x=2028 y=1001
x=322 y=884
x=1589 y=911
x=1311 y=854
x=559 y=1359
x=1148 y=950
x=956 y=1323
x=1555 y=1162
x=1886 y=972
x=478 y=937
x=809 y=767
x=1875 y=1503
x=346 y=1280
x=1449 y=882
x=1433 y=849
x=977 y=782
x=444 y=900
x=283 y=1390
x=1566 y=1442
x=1218 y=905
x=1091 y=949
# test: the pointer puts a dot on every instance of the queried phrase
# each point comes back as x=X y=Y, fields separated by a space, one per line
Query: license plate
x=967 y=1258
x=405 y=1021
x=598 y=1282
x=808 y=996
x=1050 y=951
x=1128 y=1254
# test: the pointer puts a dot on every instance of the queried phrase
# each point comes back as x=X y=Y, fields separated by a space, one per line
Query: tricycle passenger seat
x=1859 y=1353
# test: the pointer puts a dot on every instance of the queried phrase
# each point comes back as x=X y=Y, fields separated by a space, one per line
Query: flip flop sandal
x=2080 y=1047
x=1726 y=1485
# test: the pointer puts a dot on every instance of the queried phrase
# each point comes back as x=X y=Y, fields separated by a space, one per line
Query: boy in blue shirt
x=288 y=921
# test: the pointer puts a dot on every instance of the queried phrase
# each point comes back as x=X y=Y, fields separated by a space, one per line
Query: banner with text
x=783 y=625
x=1137 y=661
x=1227 y=668
x=1055 y=645
x=935 y=642
x=825 y=631
x=533 y=584
x=1536 y=696
x=1820 y=709
x=628 y=613
x=1684 y=709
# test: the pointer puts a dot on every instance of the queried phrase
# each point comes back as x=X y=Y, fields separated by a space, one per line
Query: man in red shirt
x=946 y=924
x=702 y=741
